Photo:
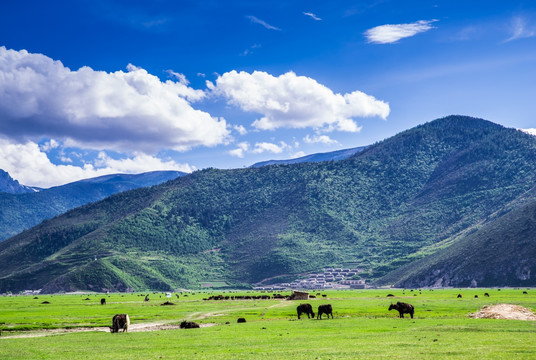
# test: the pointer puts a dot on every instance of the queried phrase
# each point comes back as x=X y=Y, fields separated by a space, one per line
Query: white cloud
x=240 y=129
x=299 y=154
x=269 y=147
x=180 y=77
x=320 y=139
x=123 y=111
x=240 y=150
x=292 y=101
x=256 y=20
x=313 y=16
x=520 y=29
x=31 y=166
x=531 y=131
x=391 y=33
x=49 y=145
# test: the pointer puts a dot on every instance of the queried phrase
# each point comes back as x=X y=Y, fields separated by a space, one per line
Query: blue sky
x=95 y=87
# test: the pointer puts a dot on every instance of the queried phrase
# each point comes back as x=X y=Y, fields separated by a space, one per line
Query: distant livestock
x=188 y=325
x=305 y=309
x=241 y=320
x=403 y=308
x=476 y=296
x=524 y=292
x=459 y=296
x=324 y=309
x=103 y=301
x=146 y=298
x=486 y=294
x=120 y=321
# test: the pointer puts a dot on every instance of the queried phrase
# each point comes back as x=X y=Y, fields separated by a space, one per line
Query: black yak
x=188 y=325
x=120 y=321
x=324 y=309
x=403 y=308
x=241 y=320
x=305 y=309
x=103 y=301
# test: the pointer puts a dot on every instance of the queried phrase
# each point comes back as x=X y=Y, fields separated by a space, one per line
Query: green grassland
x=362 y=327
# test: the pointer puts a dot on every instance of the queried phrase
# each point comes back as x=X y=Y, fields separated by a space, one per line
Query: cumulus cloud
x=391 y=33
x=256 y=20
x=291 y=101
x=520 y=29
x=262 y=147
x=311 y=15
x=320 y=139
x=123 y=111
x=30 y=165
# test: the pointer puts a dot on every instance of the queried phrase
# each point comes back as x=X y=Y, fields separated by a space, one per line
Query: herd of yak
x=122 y=321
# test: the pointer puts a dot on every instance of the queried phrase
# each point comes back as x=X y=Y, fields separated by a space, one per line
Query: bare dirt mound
x=504 y=311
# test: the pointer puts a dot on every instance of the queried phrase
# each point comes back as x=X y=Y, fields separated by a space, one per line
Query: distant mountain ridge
x=408 y=210
x=328 y=156
x=24 y=209
x=11 y=186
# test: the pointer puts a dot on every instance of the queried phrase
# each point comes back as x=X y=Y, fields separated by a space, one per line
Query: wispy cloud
x=250 y=50
x=313 y=16
x=391 y=33
x=269 y=147
x=521 y=29
x=320 y=139
x=240 y=150
x=256 y=20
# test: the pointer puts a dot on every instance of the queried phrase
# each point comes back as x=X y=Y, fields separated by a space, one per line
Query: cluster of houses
x=329 y=278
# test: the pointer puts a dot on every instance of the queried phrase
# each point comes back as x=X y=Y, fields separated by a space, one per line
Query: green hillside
x=19 y=212
x=501 y=252
x=378 y=210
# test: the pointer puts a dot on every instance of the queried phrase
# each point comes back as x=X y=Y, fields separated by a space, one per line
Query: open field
x=362 y=328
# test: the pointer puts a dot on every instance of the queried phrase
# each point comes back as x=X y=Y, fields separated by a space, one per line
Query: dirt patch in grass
x=153 y=326
x=504 y=311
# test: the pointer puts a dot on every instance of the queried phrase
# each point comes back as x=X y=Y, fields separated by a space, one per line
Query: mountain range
x=11 y=186
x=447 y=203
x=328 y=156
x=22 y=207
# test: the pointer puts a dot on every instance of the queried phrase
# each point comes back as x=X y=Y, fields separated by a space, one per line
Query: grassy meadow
x=362 y=327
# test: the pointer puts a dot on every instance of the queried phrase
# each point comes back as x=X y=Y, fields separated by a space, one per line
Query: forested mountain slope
x=375 y=210
x=21 y=211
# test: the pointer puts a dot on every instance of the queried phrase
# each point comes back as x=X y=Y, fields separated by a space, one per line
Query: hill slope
x=500 y=253
x=376 y=209
x=22 y=211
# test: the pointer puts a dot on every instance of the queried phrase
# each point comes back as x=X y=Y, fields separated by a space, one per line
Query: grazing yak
x=403 y=308
x=305 y=309
x=324 y=309
x=103 y=301
x=188 y=325
x=241 y=320
x=459 y=296
x=120 y=321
